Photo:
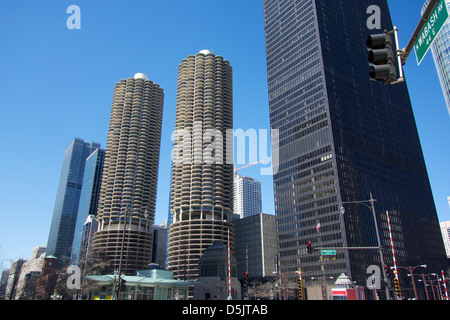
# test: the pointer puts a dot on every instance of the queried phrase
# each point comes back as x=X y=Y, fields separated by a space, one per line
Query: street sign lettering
x=430 y=31
x=328 y=252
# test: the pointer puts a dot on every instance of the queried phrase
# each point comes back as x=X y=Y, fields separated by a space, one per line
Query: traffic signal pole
x=399 y=58
x=404 y=53
x=379 y=247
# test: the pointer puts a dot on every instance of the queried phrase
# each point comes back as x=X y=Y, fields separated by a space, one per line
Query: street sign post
x=328 y=252
x=430 y=31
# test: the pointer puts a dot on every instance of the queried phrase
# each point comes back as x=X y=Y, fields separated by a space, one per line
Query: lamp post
x=432 y=288
x=438 y=286
x=372 y=207
x=411 y=270
x=116 y=287
x=425 y=282
x=323 y=285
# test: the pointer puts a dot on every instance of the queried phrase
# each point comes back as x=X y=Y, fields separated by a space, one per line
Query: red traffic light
x=308 y=247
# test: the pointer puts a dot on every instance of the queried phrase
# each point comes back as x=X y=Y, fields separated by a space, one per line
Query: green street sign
x=430 y=31
x=328 y=252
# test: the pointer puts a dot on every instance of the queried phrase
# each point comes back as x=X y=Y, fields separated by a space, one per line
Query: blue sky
x=57 y=84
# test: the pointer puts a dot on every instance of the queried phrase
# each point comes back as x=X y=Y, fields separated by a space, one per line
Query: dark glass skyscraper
x=342 y=137
x=67 y=199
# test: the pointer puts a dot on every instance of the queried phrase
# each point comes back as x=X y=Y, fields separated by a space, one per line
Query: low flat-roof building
x=153 y=284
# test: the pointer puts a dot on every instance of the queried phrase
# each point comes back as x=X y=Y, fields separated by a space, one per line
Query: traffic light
x=397 y=289
x=308 y=248
x=121 y=285
x=382 y=58
x=300 y=288
x=245 y=280
x=387 y=269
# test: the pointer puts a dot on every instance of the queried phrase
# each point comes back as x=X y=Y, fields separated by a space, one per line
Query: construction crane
x=246 y=166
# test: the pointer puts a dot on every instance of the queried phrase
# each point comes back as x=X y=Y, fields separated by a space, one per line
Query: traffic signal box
x=245 y=280
x=382 y=58
x=120 y=286
x=308 y=248
x=397 y=289
x=300 y=288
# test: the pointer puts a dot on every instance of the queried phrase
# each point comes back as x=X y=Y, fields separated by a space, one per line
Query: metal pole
x=393 y=252
x=121 y=248
x=372 y=200
x=229 y=268
x=414 y=283
x=425 y=286
x=411 y=270
x=418 y=30
x=346 y=248
x=432 y=289
x=399 y=56
x=392 y=244
x=246 y=259
x=445 y=285
x=246 y=271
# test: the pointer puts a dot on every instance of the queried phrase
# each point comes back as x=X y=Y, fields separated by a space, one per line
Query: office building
x=128 y=189
x=343 y=137
x=201 y=201
x=445 y=231
x=247 y=196
x=68 y=198
x=29 y=273
x=88 y=205
x=159 y=253
x=256 y=245
x=441 y=55
x=13 y=279
x=3 y=282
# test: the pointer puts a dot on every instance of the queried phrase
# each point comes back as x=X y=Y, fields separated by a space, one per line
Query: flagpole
x=229 y=268
x=445 y=285
x=392 y=244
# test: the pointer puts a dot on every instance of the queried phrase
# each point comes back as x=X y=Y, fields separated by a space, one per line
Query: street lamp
x=425 y=283
x=372 y=207
x=432 y=284
x=411 y=270
x=323 y=285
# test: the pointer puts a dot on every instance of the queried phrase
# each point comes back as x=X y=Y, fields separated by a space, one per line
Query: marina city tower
x=128 y=188
x=201 y=202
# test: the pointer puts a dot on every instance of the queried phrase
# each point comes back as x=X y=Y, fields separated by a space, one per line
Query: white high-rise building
x=128 y=189
x=247 y=196
x=445 y=230
x=201 y=200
